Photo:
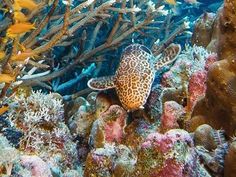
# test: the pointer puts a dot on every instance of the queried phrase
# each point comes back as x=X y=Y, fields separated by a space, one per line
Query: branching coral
x=40 y=118
x=90 y=29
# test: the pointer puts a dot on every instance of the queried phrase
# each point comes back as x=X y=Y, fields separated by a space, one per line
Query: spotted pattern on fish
x=135 y=74
x=168 y=56
x=101 y=83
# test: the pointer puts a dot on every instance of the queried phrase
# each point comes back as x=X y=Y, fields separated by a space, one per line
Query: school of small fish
x=20 y=27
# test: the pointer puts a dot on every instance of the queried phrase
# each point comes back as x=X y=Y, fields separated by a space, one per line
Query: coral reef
x=36 y=165
x=11 y=133
x=52 y=125
x=110 y=161
x=213 y=161
x=191 y=60
x=171 y=154
x=204 y=136
x=109 y=127
x=40 y=118
x=196 y=87
x=218 y=106
x=172 y=112
x=203 y=30
x=154 y=102
x=9 y=155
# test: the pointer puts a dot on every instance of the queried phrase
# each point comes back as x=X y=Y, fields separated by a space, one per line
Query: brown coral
x=204 y=136
x=203 y=30
x=219 y=104
x=230 y=159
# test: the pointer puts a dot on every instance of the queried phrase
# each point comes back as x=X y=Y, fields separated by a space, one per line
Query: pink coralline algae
x=197 y=81
x=164 y=142
x=114 y=128
x=168 y=155
x=197 y=87
x=36 y=166
x=172 y=111
x=170 y=169
x=210 y=60
x=109 y=127
x=190 y=60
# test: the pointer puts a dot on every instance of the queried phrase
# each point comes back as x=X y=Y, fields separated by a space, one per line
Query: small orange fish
x=3 y=109
x=20 y=17
x=171 y=2
x=19 y=28
x=16 y=7
x=6 y=78
x=27 y=4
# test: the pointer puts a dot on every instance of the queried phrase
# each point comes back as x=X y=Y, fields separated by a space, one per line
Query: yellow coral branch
x=32 y=37
x=58 y=36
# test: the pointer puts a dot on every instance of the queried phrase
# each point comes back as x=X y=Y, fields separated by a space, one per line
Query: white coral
x=8 y=153
x=40 y=108
x=38 y=116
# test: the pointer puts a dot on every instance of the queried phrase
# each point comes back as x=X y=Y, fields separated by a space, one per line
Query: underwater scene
x=117 y=88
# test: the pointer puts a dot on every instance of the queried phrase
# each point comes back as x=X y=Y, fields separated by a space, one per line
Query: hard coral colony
x=165 y=80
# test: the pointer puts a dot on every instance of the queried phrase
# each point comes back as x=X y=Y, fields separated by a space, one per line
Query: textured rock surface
x=203 y=30
x=204 y=136
x=36 y=165
x=109 y=127
x=196 y=87
x=171 y=113
x=219 y=105
x=109 y=161
x=230 y=159
x=168 y=155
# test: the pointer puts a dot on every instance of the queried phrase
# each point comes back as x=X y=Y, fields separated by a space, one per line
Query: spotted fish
x=135 y=74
